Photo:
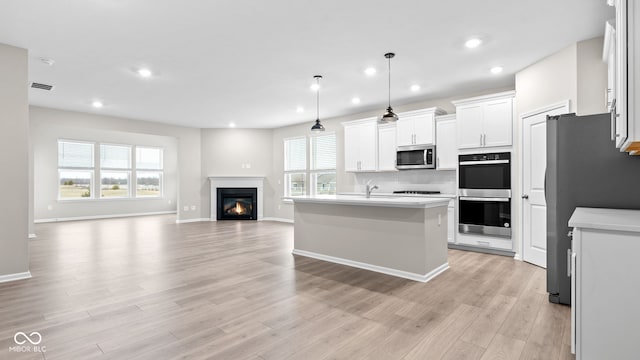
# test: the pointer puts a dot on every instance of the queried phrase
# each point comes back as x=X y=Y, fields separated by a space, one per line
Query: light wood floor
x=150 y=289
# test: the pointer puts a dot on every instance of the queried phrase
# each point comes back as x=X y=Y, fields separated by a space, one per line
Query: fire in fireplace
x=237 y=204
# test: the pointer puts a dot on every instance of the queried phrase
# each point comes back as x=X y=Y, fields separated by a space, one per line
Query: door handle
x=480 y=139
x=525 y=196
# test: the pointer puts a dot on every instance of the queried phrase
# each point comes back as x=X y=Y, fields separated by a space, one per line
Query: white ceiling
x=252 y=62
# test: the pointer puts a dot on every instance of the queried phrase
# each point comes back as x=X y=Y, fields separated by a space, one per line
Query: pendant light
x=317 y=126
x=389 y=115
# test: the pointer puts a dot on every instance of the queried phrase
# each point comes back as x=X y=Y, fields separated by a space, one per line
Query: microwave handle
x=470 y=198
x=424 y=155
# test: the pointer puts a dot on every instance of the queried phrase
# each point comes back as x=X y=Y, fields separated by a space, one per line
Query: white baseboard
x=97 y=217
x=277 y=219
x=192 y=220
x=14 y=277
x=381 y=269
x=32 y=236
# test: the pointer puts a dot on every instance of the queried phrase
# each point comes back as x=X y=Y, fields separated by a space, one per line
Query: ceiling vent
x=36 y=85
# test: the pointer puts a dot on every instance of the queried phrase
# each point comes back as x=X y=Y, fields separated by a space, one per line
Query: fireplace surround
x=216 y=182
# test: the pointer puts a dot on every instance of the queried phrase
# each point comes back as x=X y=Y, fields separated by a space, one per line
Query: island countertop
x=360 y=200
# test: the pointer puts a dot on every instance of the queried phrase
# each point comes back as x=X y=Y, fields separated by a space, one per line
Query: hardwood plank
x=503 y=348
x=147 y=288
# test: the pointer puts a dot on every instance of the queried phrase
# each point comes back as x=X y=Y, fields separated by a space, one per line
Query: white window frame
x=159 y=171
x=314 y=172
x=91 y=170
x=128 y=171
x=288 y=173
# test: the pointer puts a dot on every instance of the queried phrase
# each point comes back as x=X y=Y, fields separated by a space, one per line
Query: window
x=75 y=170
x=323 y=164
x=149 y=167
x=115 y=171
x=322 y=170
x=295 y=166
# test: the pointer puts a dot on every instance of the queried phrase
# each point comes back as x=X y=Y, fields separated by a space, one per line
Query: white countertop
x=606 y=219
x=380 y=194
x=361 y=200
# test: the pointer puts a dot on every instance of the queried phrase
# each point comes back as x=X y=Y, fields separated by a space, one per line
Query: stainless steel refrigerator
x=585 y=169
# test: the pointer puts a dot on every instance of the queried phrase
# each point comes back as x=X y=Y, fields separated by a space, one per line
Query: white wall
x=575 y=73
x=187 y=141
x=47 y=207
x=14 y=161
x=237 y=152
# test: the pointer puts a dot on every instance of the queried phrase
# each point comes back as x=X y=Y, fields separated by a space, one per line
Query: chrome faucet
x=370 y=189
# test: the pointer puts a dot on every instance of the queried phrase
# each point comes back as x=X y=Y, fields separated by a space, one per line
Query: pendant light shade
x=389 y=115
x=317 y=126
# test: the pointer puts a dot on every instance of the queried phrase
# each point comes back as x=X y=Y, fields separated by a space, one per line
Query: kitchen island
x=400 y=236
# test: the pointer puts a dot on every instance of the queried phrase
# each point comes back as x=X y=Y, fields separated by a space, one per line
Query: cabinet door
x=469 y=124
x=351 y=148
x=424 y=129
x=622 y=72
x=446 y=149
x=387 y=148
x=451 y=221
x=404 y=129
x=497 y=122
x=368 y=152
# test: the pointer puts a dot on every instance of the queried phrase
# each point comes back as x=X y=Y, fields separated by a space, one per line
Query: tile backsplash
x=443 y=181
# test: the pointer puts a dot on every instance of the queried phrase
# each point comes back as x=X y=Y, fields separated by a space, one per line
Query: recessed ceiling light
x=232 y=125
x=370 y=71
x=473 y=43
x=355 y=100
x=315 y=87
x=144 y=72
x=97 y=104
x=496 y=70
x=299 y=109
x=415 y=87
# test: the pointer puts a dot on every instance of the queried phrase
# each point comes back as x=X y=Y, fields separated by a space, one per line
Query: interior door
x=534 y=163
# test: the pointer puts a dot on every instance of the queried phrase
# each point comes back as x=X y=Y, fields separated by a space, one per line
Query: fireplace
x=237 y=203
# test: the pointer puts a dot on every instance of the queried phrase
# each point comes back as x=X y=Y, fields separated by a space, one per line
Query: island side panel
x=435 y=228
x=391 y=237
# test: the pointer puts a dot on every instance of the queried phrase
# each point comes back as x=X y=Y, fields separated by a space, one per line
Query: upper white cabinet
x=387 y=147
x=626 y=90
x=446 y=143
x=360 y=145
x=609 y=57
x=485 y=121
x=417 y=127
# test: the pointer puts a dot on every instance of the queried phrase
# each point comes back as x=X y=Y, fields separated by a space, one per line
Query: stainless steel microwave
x=416 y=157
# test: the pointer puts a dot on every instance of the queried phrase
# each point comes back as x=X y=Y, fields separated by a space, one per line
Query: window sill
x=109 y=199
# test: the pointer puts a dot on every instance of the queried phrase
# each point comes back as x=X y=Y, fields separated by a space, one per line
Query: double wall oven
x=485 y=194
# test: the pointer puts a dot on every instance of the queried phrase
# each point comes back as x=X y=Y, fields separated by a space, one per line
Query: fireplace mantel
x=237 y=182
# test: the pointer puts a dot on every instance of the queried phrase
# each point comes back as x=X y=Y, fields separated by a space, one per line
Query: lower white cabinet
x=605 y=294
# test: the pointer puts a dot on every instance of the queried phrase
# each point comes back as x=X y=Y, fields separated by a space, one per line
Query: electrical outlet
x=50 y=207
x=186 y=208
x=248 y=165
x=193 y=207
x=169 y=202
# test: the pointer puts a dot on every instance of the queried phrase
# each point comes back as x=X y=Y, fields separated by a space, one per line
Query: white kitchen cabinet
x=387 y=147
x=360 y=145
x=417 y=127
x=626 y=82
x=609 y=57
x=605 y=283
x=451 y=222
x=485 y=121
x=446 y=143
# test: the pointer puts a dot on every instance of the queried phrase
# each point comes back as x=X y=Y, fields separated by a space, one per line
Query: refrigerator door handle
x=545 y=186
x=568 y=262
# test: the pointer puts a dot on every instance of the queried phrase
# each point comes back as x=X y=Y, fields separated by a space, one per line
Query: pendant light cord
x=318 y=99
x=389 y=58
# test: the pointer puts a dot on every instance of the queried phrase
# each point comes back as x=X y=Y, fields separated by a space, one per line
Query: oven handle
x=469 y=198
x=484 y=162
